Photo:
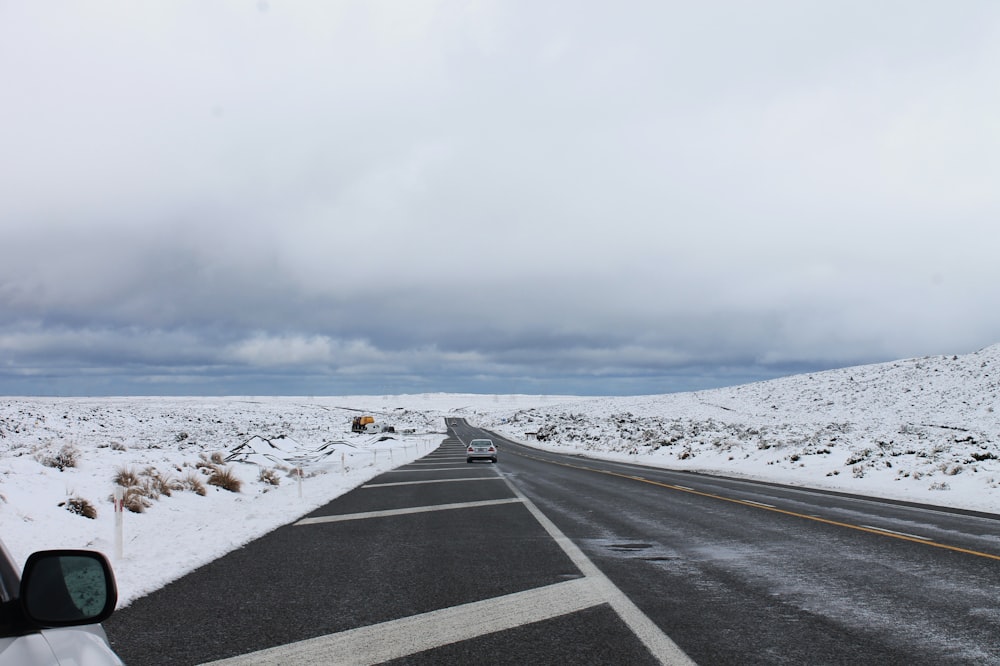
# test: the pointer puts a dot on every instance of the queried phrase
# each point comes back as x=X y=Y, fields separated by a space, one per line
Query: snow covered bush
x=80 y=507
x=64 y=458
x=269 y=476
x=194 y=483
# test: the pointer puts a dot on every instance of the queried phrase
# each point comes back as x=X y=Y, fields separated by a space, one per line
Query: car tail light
x=471 y=449
x=492 y=449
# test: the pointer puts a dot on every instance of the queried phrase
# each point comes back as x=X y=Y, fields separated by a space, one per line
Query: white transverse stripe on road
x=378 y=643
x=645 y=629
x=403 y=512
x=415 y=483
x=427 y=469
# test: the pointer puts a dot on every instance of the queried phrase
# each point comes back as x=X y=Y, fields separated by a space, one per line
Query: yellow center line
x=757 y=505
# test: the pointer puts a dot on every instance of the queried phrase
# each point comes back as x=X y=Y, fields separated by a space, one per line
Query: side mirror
x=66 y=588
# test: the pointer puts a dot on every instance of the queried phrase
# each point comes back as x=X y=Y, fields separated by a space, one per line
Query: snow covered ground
x=921 y=429
x=924 y=430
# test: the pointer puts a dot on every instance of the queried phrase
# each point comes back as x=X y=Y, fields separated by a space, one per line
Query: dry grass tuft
x=193 y=482
x=135 y=501
x=225 y=478
x=157 y=484
x=269 y=476
x=206 y=465
x=127 y=477
x=140 y=488
x=80 y=507
x=143 y=487
x=64 y=458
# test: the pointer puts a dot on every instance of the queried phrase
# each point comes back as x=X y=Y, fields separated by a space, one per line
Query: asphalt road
x=547 y=559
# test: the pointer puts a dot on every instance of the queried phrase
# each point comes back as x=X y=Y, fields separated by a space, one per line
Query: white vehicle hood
x=81 y=646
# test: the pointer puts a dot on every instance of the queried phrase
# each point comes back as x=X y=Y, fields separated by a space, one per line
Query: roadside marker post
x=119 y=521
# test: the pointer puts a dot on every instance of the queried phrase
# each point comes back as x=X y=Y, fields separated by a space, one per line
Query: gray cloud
x=577 y=197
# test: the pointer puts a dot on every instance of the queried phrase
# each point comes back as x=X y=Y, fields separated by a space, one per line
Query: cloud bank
x=345 y=197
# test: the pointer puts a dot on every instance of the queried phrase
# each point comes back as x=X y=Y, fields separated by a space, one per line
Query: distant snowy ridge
x=896 y=429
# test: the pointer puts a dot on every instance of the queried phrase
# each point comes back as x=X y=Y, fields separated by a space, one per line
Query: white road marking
x=769 y=506
x=426 y=469
x=398 y=638
x=415 y=483
x=402 y=512
x=645 y=629
x=438 y=460
x=904 y=534
x=394 y=639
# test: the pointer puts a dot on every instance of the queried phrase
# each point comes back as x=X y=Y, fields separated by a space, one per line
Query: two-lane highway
x=555 y=559
x=438 y=561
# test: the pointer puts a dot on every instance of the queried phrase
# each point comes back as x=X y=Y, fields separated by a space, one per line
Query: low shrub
x=64 y=458
x=127 y=477
x=986 y=455
x=140 y=490
x=225 y=478
x=269 y=476
x=136 y=501
x=210 y=465
x=194 y=483
x=157 y=484
x=80 y=507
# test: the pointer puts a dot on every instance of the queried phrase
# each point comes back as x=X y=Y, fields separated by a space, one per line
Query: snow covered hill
x=921 y=429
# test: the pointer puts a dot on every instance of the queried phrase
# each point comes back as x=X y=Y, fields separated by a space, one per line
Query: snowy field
x=923 y=430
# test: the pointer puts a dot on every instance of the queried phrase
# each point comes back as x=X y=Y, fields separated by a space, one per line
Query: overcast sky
x=294 y=197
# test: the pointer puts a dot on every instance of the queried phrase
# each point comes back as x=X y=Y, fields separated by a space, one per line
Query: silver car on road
x=481 y=449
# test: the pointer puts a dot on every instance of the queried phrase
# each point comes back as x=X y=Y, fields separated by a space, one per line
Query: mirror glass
x=66 y=588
